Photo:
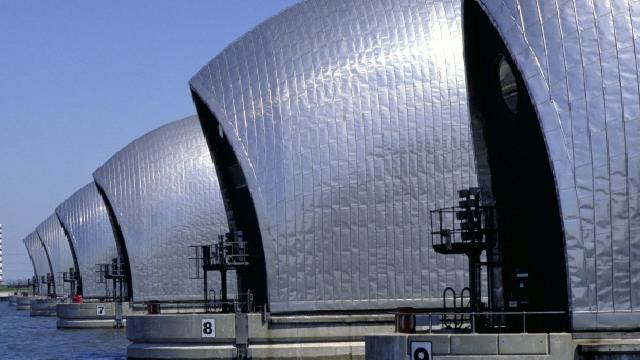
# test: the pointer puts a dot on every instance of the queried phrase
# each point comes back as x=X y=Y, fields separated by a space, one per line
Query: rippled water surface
x=25 y=337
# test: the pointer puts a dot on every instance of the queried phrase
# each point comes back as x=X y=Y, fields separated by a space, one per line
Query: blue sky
x=81 y=79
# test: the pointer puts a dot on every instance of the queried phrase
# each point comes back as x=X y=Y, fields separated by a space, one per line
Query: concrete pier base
x=12 y=300
x=169 y=336
x=43 y=307
x=608 y=346
x=476 y=346
x=322 y=350
x=554 y=346
x=89 y=315
x=23 y=302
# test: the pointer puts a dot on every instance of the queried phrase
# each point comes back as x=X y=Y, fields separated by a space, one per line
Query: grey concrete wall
x=169 y=336
x=179 y=328
x=173 y=351
x=86 y=311
x=85 y=315
x=186 y=328
x=474 y=346
x=43 y=307
x=565 y=346
x=309 y=351
x=23 y=302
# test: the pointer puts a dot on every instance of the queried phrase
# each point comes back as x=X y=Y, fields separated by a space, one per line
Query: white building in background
x=1 y=274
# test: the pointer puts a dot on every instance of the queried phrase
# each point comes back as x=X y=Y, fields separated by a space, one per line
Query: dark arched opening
x=507 y=130
x=36 y=279
x=78 y=289
x=120 y=244
x=51 y=289
x=240 y=209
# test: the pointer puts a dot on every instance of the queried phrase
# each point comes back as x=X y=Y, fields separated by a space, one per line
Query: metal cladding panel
x=56 y=244
x=38 y=258
x=579 y=59
x=85 y=217
x=350 y=122
x=164 y=192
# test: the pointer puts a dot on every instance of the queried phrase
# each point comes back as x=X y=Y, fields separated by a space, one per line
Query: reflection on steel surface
x=350 y=122
x=165 y=196
x=38 y=258
x=84 y=216
x=579 y=59
x=57 y=246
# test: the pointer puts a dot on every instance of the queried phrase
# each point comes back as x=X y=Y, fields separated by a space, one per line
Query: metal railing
x=458 y=225
x=187 y=307
x=509 y=321
x=243 y=303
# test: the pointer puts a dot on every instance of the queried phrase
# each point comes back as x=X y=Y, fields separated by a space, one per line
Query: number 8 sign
x=208 y=329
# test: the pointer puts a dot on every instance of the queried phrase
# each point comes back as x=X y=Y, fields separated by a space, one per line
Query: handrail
x=473 y=315
x=462 y=306
x=604 y=311
x=243 y=302
x=445 y=319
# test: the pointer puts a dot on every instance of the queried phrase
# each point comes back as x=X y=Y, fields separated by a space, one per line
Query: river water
x=26 y=337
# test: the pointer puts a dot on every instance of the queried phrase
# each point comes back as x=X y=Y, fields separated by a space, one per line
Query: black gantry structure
x=227 y=254
x=468 y=229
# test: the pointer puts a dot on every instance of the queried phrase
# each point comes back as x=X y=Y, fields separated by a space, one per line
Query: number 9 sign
x=208 y=328
x=420 y=350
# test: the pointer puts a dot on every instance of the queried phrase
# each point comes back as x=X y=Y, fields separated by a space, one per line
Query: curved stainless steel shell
x=57 y=246
x=580 y=62
x=38 y=257
x=165 y=197
x=85 y=217
x=350 y=122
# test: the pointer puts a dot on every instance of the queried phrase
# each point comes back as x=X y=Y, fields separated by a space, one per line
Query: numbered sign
x=208 y=329
x=420 y=350
x=100 y=310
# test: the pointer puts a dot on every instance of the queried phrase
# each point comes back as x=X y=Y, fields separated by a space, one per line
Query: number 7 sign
x=100 y=310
